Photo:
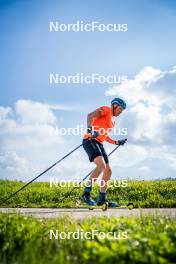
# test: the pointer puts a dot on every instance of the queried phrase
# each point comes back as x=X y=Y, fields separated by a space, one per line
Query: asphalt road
x=80 y=213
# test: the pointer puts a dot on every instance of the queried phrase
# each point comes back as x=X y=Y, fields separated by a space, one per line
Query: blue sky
x=29 y=52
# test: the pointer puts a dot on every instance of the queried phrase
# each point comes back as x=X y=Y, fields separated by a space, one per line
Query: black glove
x=89 y=129
x=121 y=142
x=93 y=132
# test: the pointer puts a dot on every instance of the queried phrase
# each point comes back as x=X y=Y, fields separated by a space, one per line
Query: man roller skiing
x=99 y=124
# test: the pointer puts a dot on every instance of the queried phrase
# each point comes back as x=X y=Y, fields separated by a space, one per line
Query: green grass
x=26 y=240
x=146 y=194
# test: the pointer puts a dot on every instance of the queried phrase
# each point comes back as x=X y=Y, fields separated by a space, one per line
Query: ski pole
x=40 y=174
x=86 y=176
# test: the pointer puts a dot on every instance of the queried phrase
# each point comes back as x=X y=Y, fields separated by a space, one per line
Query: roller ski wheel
x=124 y=206
x=130 y=205
x=103 y=207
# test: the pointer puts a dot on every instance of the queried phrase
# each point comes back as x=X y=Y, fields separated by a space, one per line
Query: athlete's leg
x=106 y=177
x=103 y=188
x=93 y=150
x=100 y=167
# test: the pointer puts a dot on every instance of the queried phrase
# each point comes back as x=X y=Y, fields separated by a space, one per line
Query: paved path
x=79 y=213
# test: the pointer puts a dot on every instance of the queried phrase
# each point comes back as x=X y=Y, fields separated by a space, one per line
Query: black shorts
x=94 y=149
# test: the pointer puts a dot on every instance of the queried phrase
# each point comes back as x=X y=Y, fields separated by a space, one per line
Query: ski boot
x=86 y=197
x=102 y=200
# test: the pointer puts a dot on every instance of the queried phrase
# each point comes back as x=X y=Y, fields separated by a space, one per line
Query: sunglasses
x=115 y=107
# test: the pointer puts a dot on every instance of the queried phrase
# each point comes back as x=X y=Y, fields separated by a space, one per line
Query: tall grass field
x=144 y=194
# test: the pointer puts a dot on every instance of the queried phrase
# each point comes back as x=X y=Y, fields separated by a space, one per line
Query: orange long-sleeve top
x=103 y=124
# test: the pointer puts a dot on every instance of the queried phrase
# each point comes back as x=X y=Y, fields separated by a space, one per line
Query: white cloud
x=4 y=112
x=149 y=121
x=27 y=147
x=30 y=112
x=150 y=117
x=151 y=86
x=11 y=163
x=144 y=169
x=128 y=155
x=64 y=107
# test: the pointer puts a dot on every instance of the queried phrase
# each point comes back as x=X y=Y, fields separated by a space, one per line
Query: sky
x=30 y=107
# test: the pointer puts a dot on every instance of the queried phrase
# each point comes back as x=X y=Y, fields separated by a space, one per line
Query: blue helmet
x=119 y=101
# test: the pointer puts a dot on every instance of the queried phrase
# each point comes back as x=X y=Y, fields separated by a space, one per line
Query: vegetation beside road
x=145 y=194
x=27 y=240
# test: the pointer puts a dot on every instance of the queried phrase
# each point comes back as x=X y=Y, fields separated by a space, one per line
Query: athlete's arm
x=120 y=142
x=97 y=113
x=111 y=141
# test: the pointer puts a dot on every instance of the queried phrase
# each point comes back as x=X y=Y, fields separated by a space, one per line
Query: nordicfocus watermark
x=80 y=234
x=55 y=182
x=81 y=26
x=81 y=78
x=80 y=130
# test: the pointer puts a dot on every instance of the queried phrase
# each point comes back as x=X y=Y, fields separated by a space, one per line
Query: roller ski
x=104 y=207
x=109 y=204
x=123 y=206
x=101 y=203
x=113 y=205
